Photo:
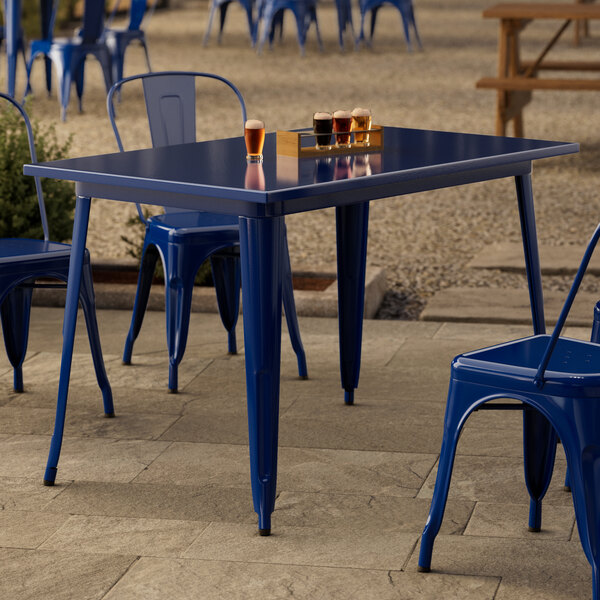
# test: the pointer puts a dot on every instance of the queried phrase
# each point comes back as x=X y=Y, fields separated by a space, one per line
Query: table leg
x=261 y=241
x=539 y=438
x=351 y=227
x=80 y=225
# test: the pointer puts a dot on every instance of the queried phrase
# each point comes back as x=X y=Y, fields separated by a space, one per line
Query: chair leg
x=251 y=27
x=147 y=267
x=178 y=296
x=146 y=54
x=289 y=305
x=227 y=278
x=79 y=82
x=64 y=92
x=406 y=27
x=539 y=449
x=373 y=21
x=582 y=447
x=411 y=17
x=222 y=14
x=594 y=338
x=15 y=311
x=88 y=302
x=460 y=401
x=213 y=6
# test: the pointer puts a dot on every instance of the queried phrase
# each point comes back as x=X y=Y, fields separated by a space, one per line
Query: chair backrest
x=38 y=184
x=93 y=21
x=170 y=98
x=539 y=377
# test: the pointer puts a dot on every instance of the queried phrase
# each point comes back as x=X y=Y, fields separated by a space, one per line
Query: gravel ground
x=424 y=240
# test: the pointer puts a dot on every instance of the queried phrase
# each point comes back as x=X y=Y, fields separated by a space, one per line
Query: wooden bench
x=517 y=79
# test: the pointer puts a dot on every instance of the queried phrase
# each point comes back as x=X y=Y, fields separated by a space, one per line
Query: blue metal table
x=214 y=176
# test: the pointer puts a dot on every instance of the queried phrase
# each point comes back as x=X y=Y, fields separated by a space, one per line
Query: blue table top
x=215 y=176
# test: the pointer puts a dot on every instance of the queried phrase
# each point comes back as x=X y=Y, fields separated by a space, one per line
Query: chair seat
x=574 y=366
x=191 y=221
x=14 y=250
x=129 y=34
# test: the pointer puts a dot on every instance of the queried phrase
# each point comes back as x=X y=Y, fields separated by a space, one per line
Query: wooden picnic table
x=518 y=78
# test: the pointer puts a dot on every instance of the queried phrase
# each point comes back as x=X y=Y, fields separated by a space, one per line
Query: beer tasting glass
x=254 y=134
x=342 y=122
x=322 y=128
x=361 y=120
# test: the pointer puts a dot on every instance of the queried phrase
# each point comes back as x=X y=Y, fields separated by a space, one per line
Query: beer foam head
x=342 y=114
x=254 y=124
x=361 y=112
x=322 y=116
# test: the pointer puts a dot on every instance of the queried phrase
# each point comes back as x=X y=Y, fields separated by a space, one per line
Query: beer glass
x=342 y=122
x=361 y=119
x=254 y=134
x=322 y=128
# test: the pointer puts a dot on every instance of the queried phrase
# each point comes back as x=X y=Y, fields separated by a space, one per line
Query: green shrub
x=19 y=213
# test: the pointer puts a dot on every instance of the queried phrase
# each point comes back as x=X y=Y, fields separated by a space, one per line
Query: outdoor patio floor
x=156 y=502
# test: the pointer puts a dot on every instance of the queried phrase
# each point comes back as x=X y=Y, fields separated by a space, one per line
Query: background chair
x=558 y=377
x=17 y=36
x=68 y=54
x=223 y=5
x=270 y=16
x=185 y=239
x=117 y=40
x=344 y=15
x=406 y=12
x=22 y=262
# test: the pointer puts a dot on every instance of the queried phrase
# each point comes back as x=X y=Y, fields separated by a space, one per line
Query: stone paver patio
x=156 y=503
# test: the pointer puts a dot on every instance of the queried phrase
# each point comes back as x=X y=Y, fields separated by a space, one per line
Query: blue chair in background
x=270 y=17
x=22 y=262
x=185 y=239
x=68 y=54
x=117 y=40
x=558 y=377
x=344 y=15
x=406 y=12
x=223 y=5
x=17 y=37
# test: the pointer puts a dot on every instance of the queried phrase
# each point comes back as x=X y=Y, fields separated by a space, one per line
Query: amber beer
x=254 y=134
x=361 y=120
x=342 y=122
x=322 y=128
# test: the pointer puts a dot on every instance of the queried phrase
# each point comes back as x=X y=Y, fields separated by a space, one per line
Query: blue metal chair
x=17 y=37
x=68 y=54
x=270 y=16
x=558 y=377
x=344 y=15
x=185 y=239
x=22 y=262
x=406 y=12
x=223 y=5
x=117 y=40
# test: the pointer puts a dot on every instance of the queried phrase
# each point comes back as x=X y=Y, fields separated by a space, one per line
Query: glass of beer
x=322 y=128
x=361 y=120
x=254 y=134
x=342 y=122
